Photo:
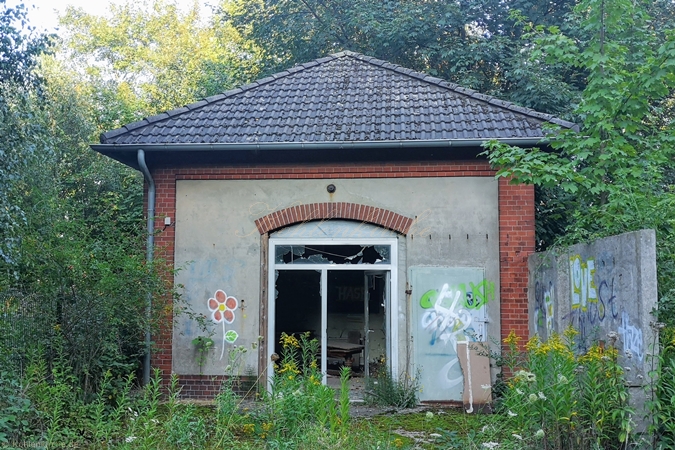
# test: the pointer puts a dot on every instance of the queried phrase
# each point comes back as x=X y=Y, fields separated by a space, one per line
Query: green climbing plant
x=202 y=346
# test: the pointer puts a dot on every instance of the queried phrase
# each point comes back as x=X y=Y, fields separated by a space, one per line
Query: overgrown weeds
x=48 y=408
x=557 y=399
x=386 y=390
x=661 y=403
x=552 y=399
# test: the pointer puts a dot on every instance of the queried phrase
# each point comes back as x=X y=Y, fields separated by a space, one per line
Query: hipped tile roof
x=345 y=97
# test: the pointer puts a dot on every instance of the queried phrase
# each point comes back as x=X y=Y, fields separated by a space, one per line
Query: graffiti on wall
x=544 y=315
x=631 y=337
x=582 y=282
x=594 y=303
x=222 y=310
x=594 y=307
x=607 y=290
x=448 y=312
x=454 y=314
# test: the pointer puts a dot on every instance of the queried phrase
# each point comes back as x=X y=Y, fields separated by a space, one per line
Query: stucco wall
x=217 y=245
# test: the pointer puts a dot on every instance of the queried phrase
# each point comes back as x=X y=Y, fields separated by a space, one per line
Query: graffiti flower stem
x=222 y=350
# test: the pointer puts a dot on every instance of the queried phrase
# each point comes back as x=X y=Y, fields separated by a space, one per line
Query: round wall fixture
x=331 y=188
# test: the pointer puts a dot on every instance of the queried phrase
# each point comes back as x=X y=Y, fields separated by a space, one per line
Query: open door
x=297 y=290
x=368 y=284
x=339 y=291
x=345 y=320
x=376 y=339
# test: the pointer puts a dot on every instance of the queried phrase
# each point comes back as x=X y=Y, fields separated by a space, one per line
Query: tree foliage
x=618 y=166
x=20 y=45
x=475 y=43
x=153 y=58
x=23 y=133
x=72 y=229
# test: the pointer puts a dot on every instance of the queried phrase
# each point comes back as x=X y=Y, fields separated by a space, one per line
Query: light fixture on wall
x=331 y=188
x=167 y=223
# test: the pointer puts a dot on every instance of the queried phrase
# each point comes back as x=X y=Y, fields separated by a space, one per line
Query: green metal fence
x=26 y=324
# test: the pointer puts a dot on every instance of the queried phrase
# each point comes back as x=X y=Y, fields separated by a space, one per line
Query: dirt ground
x=358 y=408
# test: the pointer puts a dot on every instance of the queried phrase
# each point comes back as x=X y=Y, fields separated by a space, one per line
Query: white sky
x=44 y=14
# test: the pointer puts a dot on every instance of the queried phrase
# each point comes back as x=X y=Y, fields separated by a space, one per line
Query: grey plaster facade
x=218 y=246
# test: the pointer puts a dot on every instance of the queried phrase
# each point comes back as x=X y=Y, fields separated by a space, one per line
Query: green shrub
x=185 y=429
x=661 y=403
x=384 y=389
x=15 y=408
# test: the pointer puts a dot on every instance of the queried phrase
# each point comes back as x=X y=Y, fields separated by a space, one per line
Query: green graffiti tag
x=475 y=298
x=582 y=275
x=481 y=294
x=428 y=299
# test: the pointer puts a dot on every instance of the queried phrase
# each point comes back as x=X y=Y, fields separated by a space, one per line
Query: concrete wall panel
x=607 y=286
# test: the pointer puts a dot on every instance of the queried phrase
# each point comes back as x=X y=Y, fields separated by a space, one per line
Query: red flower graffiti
x=222 y=307
x=222 y=310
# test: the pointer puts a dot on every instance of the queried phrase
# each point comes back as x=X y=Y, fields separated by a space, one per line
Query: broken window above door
x=332 y=254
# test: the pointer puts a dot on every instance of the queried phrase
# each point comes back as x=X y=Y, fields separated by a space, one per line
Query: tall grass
x=49 y=409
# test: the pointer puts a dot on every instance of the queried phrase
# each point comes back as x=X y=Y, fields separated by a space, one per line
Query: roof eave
x=337 y=145
x=126 y=153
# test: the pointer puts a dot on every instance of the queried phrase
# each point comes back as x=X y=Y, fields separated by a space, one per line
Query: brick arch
x=341 y=210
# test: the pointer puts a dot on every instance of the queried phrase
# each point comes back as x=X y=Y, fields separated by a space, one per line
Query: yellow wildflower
x=533 y=343
x=512 y=339
x=541 y=349
x=289 y=367
x=570 y=332
x=289 y=341
x=598 y=353
x=557 y=345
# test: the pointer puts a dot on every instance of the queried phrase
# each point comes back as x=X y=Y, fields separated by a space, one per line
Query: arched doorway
x=335 y=279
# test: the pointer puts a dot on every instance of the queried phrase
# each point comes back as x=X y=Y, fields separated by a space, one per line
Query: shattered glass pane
x=276 y=291
x=318 y=259
x=280 y=251
x=333 y=254
x=385 y=254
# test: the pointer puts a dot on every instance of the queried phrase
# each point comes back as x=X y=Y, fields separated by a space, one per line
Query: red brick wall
x=208 y=386
x=516 y=229
x=516 y=243
x=165 y=205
